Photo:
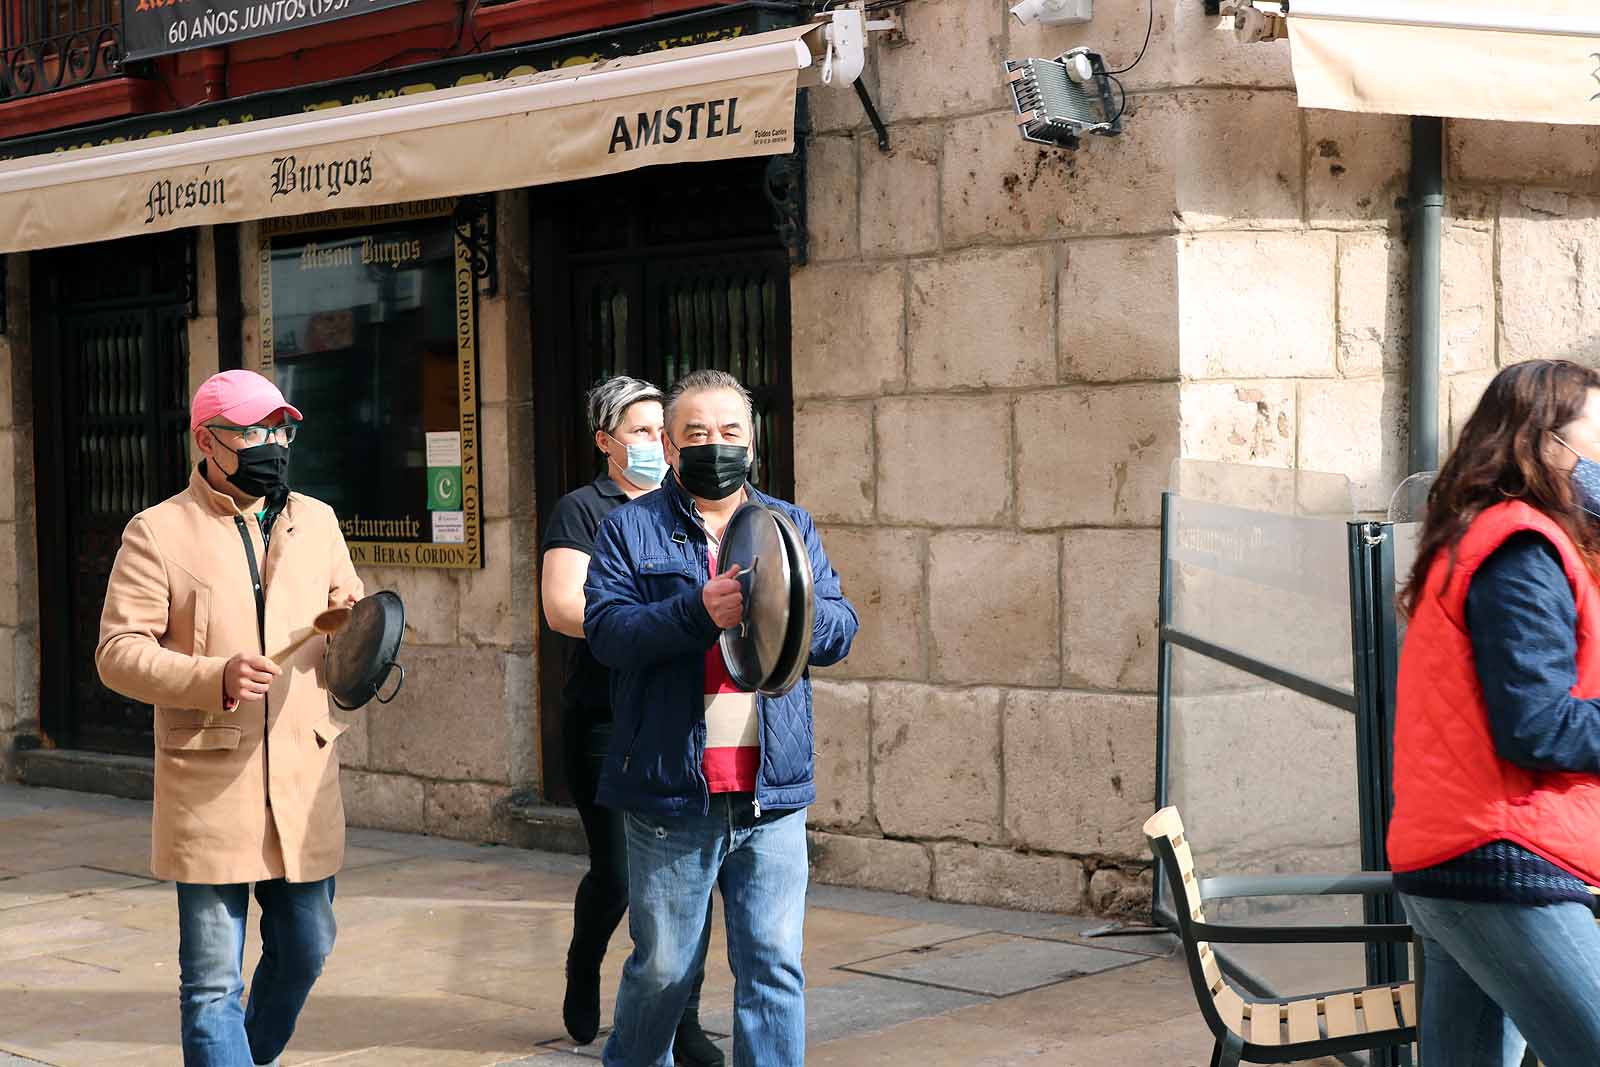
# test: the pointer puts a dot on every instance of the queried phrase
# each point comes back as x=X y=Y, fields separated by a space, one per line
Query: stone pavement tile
x=1143 y=1015
x=48 y=938
x=434 y=882
x=356 y=856
x=946 y=1041
x=829 y=925
x=94 y=803
x=18 y=978
x=836 y=938
x=149 y=908
x=455 y=1029
x=88 y=1026
x=539 y=991
x=129 y=860
x=70 y=827
x=918 y=910
x=859 y=1004
x=1144 y=944
x=486 y=938
x=1185 y=1043
x=566 y=864
x=27 y=889
x=405 y=1056
x=1148 y=994
x=921 y=934
x=32 y=825
x=451 y=955
x=122 y=845
x=111 y=946
x=17 y=805
x=114 y=1013
x=8 y=1060
x=419 y=846
x=994 y=965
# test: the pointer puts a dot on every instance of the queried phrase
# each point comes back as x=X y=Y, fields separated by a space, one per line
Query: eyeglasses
x=251 y=436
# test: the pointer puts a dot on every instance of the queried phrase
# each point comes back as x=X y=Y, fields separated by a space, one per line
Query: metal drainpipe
x=1427 y=222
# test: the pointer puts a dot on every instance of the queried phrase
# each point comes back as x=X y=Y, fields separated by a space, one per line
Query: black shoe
x=692 y=1048
x=580 y=1010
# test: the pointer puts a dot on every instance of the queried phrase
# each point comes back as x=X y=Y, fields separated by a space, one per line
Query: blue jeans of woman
x=297 y=933
x=602 y=896
x=674 y=862
x=1499 y=977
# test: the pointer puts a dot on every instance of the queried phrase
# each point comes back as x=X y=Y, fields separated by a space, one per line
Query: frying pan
x=364 y=653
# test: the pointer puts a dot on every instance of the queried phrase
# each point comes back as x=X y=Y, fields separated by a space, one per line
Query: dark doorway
x=653 y=274
x=111 y=385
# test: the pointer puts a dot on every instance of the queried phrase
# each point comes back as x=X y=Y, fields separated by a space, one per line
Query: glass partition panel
x=1261 y=756
x=1270 y=587
x=1272 y=489
x=1265 y=779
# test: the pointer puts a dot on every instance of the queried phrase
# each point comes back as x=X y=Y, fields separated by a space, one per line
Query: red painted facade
x=398 y=37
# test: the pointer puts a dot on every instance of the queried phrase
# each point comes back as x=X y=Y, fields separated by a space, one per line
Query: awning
x=714 y=101
x=1514 y=60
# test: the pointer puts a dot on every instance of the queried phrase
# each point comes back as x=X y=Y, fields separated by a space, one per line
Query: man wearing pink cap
x=246 y=775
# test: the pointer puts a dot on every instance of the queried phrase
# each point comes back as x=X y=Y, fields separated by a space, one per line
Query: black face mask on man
x=263 y=469
x=713 y=472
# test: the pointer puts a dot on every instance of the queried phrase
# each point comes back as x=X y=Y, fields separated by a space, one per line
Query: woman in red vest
x=1495 y=837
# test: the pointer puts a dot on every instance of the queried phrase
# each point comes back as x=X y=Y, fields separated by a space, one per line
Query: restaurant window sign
x=369 y=324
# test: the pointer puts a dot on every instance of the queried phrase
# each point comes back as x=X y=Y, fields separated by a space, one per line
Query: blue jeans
x=297 y=932
x=1500 y=976
x=673 y=864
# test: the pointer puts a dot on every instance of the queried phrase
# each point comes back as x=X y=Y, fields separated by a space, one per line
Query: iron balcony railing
x=47 y=45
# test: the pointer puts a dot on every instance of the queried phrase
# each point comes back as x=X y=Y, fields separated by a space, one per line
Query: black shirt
x=573 y=524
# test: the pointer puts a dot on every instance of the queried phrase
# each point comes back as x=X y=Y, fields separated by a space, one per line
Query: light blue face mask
x=1585 y=480
x=647 y=463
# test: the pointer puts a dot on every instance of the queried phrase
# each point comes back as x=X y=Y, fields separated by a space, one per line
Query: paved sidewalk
x=451 y=954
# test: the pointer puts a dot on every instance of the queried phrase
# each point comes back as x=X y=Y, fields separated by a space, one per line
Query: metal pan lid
x=751 y=649
x=796 y=652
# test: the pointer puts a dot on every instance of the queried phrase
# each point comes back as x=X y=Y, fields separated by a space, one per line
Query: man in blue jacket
x=714 y=782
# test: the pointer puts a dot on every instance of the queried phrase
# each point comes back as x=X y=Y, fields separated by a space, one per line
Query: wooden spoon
x=329 y=622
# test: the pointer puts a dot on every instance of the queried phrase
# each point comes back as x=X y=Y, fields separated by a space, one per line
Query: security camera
x=1053 y=12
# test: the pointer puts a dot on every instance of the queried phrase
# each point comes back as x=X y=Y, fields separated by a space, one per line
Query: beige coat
x=251 y=793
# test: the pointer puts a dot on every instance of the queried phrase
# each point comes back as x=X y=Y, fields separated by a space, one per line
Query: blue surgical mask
x=647 y=463
x=1585 y=480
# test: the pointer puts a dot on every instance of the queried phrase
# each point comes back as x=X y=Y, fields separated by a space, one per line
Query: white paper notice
x=449 y=527
x=444 y=450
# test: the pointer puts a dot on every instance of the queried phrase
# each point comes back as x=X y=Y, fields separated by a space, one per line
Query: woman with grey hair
x=625 y=418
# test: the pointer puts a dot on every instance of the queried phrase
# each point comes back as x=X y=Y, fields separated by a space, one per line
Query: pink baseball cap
x=241 y=397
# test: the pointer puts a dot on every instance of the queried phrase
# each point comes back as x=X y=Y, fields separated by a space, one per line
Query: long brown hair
x=1502 y=456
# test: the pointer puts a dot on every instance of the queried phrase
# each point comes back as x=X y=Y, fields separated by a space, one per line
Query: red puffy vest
x=1452 y=793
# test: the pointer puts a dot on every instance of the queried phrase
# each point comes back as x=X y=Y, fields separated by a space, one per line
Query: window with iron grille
x=54 y=44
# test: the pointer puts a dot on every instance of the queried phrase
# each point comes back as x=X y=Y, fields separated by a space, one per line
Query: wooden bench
x=1252 y=1030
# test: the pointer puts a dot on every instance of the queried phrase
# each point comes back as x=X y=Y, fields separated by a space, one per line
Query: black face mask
x=263 y=470
x=713 y=472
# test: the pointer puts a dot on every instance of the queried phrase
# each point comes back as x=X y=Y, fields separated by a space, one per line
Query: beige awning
x=1514 y=60
x=714 y=101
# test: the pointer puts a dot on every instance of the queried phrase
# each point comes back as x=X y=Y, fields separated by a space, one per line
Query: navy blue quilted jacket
x=644 y=619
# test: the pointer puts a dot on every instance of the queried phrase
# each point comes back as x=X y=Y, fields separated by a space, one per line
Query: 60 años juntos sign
x=156 y=27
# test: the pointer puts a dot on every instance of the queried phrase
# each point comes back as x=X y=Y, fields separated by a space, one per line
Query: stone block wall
x=987 y=405
x=1531 y=192
x=1001 y=348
